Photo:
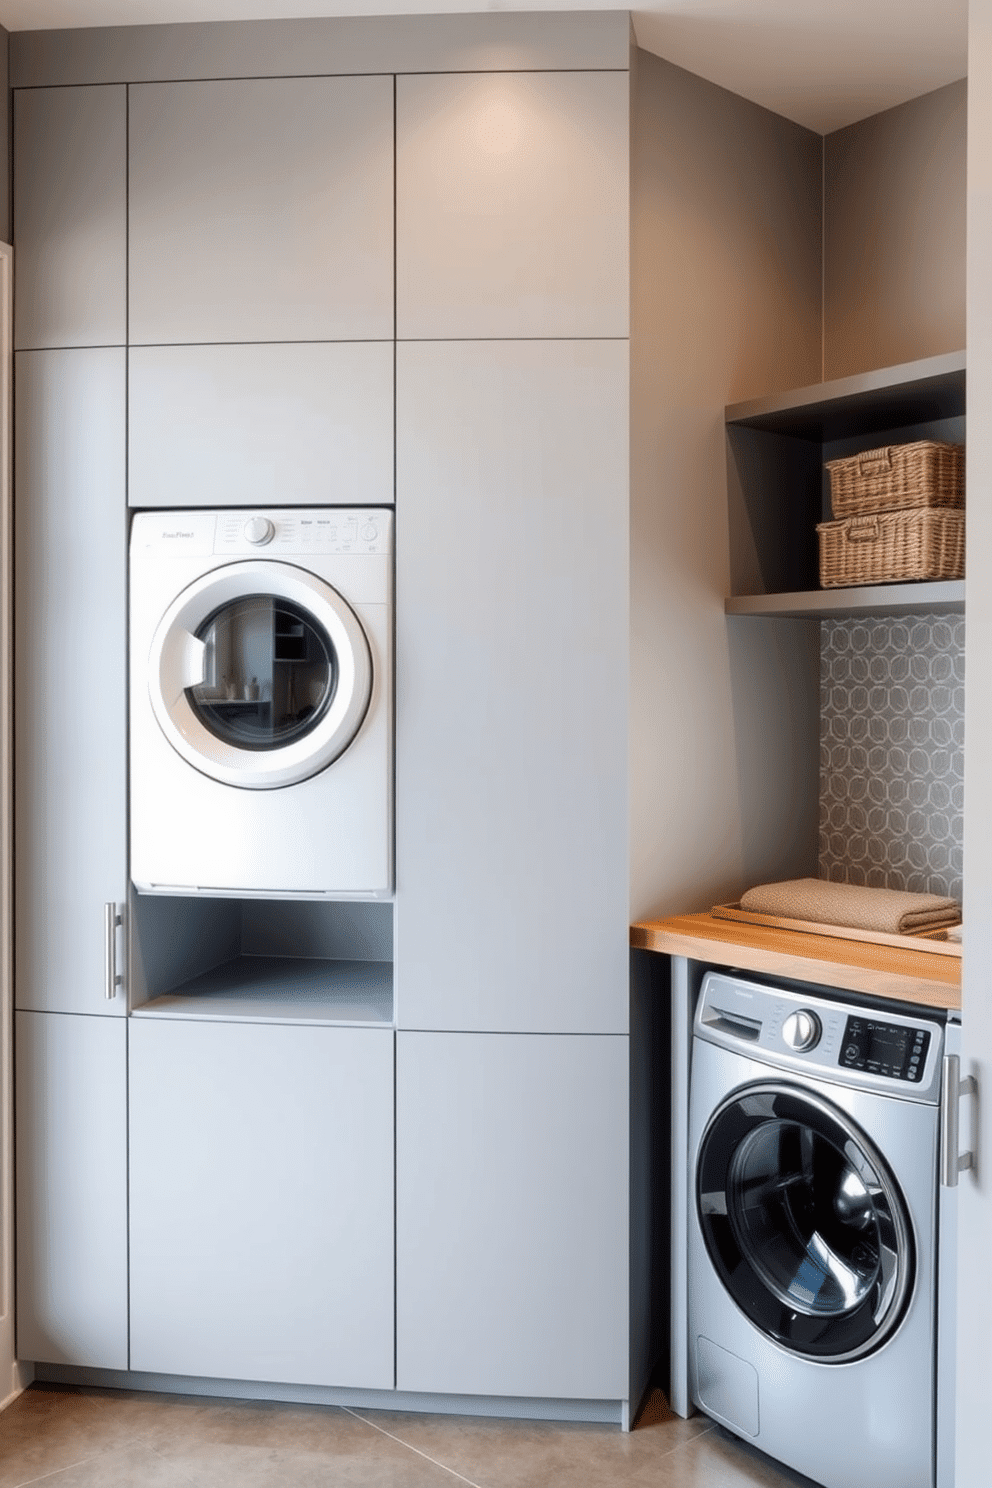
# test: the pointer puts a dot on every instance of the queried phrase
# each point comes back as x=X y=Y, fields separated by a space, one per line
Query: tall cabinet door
x=71 y=1190
x=70 y=193
x=512 y=204
x=511 y=1215
x=262 y=1201
x=70 y=725
x=511 y=722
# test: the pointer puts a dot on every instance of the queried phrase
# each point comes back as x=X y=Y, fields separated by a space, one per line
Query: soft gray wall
x=894 y=241
x=725 y=302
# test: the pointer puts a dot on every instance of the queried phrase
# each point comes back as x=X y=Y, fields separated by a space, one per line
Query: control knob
x=259 y=531
x=802 y=1030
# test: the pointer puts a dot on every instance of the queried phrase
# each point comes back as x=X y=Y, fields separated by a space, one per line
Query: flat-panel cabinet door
x=511 y=686
x=70 y=216
x=70 y=637
x=511 y=1215
x=262 y=1202
x=71 y=1131
x=261 y=209
x=512 y=204
x=270 y=425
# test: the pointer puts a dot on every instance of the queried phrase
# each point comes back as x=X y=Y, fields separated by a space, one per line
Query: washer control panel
x=897 y=1050
x=800 y=1029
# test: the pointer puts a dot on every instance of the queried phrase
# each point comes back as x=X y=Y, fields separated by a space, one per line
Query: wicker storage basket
x=888 y=546
x=923 y=474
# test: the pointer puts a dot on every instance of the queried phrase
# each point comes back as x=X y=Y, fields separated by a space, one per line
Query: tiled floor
x=85 y=1438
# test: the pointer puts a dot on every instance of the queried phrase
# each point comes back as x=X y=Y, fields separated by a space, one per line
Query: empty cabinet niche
x=258 y=960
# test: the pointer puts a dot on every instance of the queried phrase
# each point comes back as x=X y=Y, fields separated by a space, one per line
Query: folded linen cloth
x=891 y=911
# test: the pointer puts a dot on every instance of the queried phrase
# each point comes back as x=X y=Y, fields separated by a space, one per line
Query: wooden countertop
x=905 y=974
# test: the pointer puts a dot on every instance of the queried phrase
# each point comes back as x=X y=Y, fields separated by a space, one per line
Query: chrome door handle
x=952 y=1161
x=111 y=920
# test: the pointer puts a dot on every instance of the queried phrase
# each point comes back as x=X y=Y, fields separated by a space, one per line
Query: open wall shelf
x=868 y=599
x=262 y=961
x=778 y=488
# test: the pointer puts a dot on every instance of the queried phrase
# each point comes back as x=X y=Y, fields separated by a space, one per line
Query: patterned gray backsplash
x=892 y=752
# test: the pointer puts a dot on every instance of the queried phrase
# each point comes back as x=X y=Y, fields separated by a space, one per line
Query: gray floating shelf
x=913 y=393
x=839 y=604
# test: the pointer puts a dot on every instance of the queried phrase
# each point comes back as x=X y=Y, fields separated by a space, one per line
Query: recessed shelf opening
x=779 y=489
x=251 y=960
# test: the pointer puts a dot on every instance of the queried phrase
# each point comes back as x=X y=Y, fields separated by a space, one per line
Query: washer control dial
x=802 y=1030
x=259 y=531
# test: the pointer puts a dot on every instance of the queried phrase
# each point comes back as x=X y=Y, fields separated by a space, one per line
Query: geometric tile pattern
x=892 y=752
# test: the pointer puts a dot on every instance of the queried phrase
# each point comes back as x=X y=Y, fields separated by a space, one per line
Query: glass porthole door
x=260 y=674
x=270 y=672
x=803 y=1222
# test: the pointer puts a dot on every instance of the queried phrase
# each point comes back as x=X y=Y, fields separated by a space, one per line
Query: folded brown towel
x=892 y=911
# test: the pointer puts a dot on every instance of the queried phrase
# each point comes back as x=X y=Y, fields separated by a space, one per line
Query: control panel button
x=802 y=1030
x=259 y=531
x=369 y=532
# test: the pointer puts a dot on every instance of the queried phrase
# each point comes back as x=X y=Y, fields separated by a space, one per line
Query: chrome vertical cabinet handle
x=953 y=1161
x=111 y=919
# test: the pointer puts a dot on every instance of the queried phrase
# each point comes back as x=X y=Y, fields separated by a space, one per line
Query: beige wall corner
x=894 y=240
x=725 y=305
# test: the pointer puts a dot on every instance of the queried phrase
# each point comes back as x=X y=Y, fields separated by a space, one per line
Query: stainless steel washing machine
x=814 y=1128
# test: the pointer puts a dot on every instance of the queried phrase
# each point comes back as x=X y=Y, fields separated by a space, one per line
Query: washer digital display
x=884 y=1048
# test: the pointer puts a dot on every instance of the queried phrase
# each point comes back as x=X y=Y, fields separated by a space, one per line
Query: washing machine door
x=260 y=674
x=803 y=1222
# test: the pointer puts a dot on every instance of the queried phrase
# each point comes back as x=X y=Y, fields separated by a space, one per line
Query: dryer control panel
x=278 y=532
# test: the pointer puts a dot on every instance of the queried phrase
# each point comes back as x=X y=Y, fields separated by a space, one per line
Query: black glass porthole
x=270 y=673
x=803 y=1223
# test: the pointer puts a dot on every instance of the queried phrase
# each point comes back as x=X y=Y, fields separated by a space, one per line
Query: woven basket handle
x=862 y=529
x=873 y=461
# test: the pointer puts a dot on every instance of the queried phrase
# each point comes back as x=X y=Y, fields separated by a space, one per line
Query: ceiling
x=823 y=63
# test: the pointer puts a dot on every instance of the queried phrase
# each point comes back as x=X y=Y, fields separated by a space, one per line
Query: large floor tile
x=117 y=1467
x=51 y=1427
x=494 y=1453
x=718 y=1459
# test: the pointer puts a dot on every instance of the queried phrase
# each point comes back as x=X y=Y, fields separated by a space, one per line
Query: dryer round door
x=260 y=674
x=803 y=1222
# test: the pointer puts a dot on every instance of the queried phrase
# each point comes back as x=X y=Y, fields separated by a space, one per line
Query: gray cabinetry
x=262 y=1201
x=511 y=750
x=261 y=209
x=512 y=204
x=71 y=1190
x=70 y=721
x=512 y=1273
x=70 y=192
x=297 y=424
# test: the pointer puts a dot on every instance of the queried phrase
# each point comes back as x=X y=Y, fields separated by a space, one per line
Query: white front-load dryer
x=261 y=702
x=813 y=1208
